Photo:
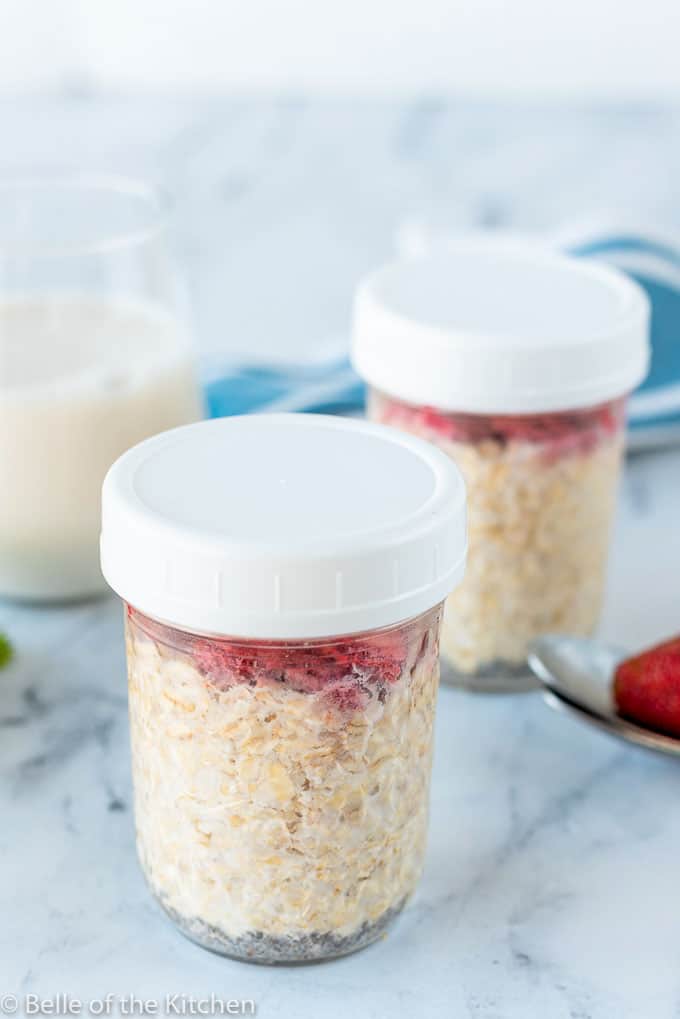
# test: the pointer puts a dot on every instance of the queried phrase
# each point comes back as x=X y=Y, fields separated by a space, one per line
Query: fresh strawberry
x=647 y=688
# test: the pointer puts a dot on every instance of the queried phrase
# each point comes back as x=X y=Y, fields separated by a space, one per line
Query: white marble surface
x=551 y=885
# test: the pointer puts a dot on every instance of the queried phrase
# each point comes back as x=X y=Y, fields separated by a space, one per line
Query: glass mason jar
x=281 y=776
x=516 y=364
x=281 y=788
x=94 y=357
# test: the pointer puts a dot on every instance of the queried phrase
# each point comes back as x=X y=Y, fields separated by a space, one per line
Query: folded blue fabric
x=654 y=410
x=331 y=387
x=327 y=387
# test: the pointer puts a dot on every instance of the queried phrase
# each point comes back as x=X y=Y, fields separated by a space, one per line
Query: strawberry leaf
x=6 y=651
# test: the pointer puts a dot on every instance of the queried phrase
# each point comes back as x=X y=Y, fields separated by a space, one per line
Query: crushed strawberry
x=577 y=430
x=347 y=694
x=347 y=672
x=647 y=688
x=344 y=672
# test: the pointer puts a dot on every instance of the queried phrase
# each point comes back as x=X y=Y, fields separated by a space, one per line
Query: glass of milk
x=95 y=355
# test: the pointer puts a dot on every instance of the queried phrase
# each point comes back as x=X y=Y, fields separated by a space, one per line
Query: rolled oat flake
x=283 y=577
x=515 y=361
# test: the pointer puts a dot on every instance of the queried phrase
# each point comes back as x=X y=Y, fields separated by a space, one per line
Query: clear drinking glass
x=94 y=356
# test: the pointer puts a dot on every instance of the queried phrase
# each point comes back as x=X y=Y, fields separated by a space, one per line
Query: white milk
x=81 y=380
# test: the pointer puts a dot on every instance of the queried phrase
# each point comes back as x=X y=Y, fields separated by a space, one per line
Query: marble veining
x=550 y=888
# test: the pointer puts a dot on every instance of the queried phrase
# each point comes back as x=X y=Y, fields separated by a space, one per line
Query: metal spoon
x=577 y=674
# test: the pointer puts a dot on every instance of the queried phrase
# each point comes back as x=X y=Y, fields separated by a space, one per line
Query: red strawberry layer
x=348 y=672
x=647 y=688
x=571 y=430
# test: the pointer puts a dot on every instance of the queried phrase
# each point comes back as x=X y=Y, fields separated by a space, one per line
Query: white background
x=618 y=49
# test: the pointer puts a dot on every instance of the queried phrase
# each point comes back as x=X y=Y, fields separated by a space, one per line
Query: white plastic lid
x=481 y=327
x=283 y=526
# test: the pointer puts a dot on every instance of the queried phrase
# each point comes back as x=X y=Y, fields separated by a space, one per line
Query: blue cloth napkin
x=654 y=410
x=331 y=387
x=325 y=387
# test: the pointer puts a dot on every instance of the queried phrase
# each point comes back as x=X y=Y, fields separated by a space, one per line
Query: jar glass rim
x=153 y=210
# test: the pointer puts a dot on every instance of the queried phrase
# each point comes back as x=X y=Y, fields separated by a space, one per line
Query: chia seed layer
x=289 y=949
x=492 y=677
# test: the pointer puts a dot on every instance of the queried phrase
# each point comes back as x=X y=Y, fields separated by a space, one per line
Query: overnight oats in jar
x=517 y=363
x=283 y=621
